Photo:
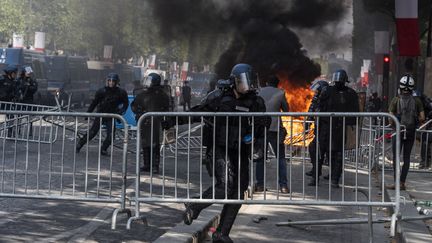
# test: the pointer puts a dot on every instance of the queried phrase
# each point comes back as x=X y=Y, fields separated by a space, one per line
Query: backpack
x=407 y=112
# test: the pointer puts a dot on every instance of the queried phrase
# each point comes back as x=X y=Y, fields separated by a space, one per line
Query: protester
x=410 y=112
x=275 y=101
x=186 y=94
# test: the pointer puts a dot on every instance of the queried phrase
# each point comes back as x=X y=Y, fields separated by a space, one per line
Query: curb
x=197 y=231
x=408 y=232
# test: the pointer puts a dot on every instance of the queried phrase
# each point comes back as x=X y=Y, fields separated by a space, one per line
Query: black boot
x=189 y=214
x=79 y=145
x=145 y=168
x=217 y=237
x=335 y=183
x=313 y=182
x=155 y=170
x=104 y=152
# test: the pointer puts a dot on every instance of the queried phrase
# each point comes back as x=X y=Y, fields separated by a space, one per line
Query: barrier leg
x=140 y=219
x=116 y=212
x=370 y=224
x=393 y=225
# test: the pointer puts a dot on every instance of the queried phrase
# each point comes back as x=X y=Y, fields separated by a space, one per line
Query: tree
x=12 y=19
x=83 y=27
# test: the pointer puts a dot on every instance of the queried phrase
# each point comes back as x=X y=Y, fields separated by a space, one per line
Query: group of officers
x=231 y=144
x=236 y=94
x=228 y=150
x=17 y=85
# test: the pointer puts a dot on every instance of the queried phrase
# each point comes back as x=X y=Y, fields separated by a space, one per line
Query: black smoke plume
x=260 y=28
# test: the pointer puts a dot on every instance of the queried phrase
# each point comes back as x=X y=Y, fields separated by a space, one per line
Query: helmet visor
x=243 y=83
x=315 y=86
x=147 y=81
x=28 y=70
x=337 y=77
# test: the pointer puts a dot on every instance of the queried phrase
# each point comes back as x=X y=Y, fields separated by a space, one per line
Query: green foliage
x=11 y=19
x=85 y=26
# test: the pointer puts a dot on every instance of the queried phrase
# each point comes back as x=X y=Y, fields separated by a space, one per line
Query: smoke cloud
x=261 y=30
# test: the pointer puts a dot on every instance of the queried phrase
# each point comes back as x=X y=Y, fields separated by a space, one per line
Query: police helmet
x=114 y=77
x=26 y=70
x=224 y=84
x=153 y=79
x=340 y=76
x=406 y=83
x=243 y=78
x=11 y=69
x=318 y=85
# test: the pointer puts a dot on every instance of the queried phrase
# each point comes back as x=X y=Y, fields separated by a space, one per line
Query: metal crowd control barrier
x=183 y=179
x=55 y=171
x=182 y=142
x=24 y=128
x=421 y=157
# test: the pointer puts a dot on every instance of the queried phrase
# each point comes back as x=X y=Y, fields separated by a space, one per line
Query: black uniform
x=151 y=100
x=27 y=87
x=186 y=94
x=107 y=100
x=8 y=89
x=219 y=101
x=426 y=138
x=8 y=92
x=320 y=140
x=167 y=89
x=338 y=98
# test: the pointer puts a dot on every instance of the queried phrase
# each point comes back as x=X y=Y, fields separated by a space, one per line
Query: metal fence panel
x=55 y=170
x=26 y=128
x=185 y=177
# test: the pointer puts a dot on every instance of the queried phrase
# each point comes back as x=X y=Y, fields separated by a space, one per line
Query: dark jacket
x=151 y=100
x=220 y=101
x=186 y=93
x=27 y=87
x=8 y=89
x=110 y=100
x=154 y=99
x=338 y=99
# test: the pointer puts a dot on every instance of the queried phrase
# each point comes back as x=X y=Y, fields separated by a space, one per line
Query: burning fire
x=299 y=99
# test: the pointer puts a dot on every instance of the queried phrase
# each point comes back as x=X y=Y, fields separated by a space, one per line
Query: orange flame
x=299 y=99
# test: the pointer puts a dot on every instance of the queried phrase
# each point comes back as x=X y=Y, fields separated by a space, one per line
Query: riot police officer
x=27 y=86
x=8 y=86
x=8 y=92
x=338 y=98
x=321 y=135
x=109 y=99
x=151 y=100
x=241 y=98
